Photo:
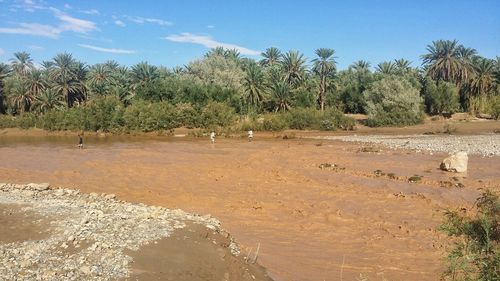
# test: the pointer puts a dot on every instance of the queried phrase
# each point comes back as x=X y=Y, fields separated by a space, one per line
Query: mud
x=311 y=223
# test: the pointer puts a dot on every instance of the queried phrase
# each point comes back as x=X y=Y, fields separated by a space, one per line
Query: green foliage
x=217 y=114
x=275 y=122
x=441 y=97
x=393 y=101
x=187 y=115
x=148 y=117
x=476 y=255
x=303 y=118
x=332 y=119
x=495 y=107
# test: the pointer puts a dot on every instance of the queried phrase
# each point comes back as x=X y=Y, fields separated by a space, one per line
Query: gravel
x=484 y=145
x=88 y=233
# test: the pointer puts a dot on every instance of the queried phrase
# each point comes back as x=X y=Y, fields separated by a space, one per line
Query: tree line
x=451 y=78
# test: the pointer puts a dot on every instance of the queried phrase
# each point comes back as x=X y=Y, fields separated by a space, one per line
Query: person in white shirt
x=250 y=135
x=212 y=137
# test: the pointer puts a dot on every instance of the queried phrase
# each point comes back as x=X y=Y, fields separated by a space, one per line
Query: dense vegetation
x=223 y=89
x=476 y=255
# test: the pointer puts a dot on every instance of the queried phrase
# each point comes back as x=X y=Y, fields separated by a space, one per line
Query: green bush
x=187 y=115
x=7 y=121
x=476 y=255
x=332 y=119
x=303 y=118
x=494 y=107
x=441 y=97
x=393 y=101
x=216 y=114
x=148 y=117
x=275 y=122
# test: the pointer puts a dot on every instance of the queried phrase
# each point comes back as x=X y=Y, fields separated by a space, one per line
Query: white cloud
x=142 y=20
x=90 y=12
x=106 y=50
x=2 y=51
x=120 y=23
x=35 y=47
x=210 y=26
x=76 y=25
x=208 y=42
x=67 y=23
x=67 y=6
x=33 y=29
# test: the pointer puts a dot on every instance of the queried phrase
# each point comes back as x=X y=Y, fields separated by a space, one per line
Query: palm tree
x=324 y=67
x=445 y=61
x=18 y=95
x=5 y=72
x=47 y=100
x=35 y=82
x=143 y=73
x=22 y=63
x=253 y=84
x=282 y=95
x=99 y=78
x=217 y=51
x=294 y=67
x=232 y=54
x=271 y=56
x=402 y=65
x=63 y=73
x=482 y=82
x=361 y=66
x=386 y=67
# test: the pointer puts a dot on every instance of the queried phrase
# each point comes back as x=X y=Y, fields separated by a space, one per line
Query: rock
x=110 y=196
x=38 y=186
x=85 y=270
x=456 y=162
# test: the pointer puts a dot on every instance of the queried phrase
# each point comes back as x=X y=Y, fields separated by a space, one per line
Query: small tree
x=393 y=101
x=441 y=97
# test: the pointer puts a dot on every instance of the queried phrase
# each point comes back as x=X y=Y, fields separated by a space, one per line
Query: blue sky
x=173 y=33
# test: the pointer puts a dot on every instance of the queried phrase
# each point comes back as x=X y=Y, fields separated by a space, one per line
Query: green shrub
x=494 y=107
x=275 y=122
x=187 y=115
x=441 y=97
x=7 y=121
x=303 y=118
x=216 y=114
x=332 y=119
x=393 y=101
x=148 y=117
x=476 y=256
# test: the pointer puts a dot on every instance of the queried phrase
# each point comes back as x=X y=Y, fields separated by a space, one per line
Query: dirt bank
x=311 y=223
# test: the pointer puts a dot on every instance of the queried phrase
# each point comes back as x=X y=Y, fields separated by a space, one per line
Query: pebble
x=99 y=227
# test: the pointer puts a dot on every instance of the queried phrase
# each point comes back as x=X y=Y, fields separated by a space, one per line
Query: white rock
x=456 y=162
x=38 y=186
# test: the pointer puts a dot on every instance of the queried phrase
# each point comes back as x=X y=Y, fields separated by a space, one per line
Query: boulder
x=455 y=163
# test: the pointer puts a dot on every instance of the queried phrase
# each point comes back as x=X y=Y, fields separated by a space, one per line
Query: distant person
x=250 y=135
x=80 y=141
x=212 y=137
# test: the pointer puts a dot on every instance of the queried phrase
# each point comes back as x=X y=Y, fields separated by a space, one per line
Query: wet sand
x=311 y=223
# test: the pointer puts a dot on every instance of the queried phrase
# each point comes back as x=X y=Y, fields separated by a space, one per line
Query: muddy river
x=337 y=223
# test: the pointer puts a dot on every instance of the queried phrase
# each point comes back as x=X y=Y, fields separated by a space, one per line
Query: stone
x=110 y=196
x=38 y=186
x=456 y=162
x=85 y=270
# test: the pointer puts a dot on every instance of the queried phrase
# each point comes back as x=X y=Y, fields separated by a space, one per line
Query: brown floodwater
x=311 y=223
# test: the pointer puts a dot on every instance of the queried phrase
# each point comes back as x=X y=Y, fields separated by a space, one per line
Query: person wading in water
x=80 y=141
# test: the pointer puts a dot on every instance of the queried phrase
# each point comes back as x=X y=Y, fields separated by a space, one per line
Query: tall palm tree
x=217 y=51
x=253 y=84
x=445 y=62
x=19 y=97
x=63 y=73
x=35 y=82
x=482 y=82
x=361 y=66
x=99 y=78
x=324 y=67
x=22 y=63
x=232 y=54
x=143 y=73
x=47 y=100
x=386 y=67
x=402 y=65
x=271 y=56
x=294 y=67
x=5 y=72
x=281 y=93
